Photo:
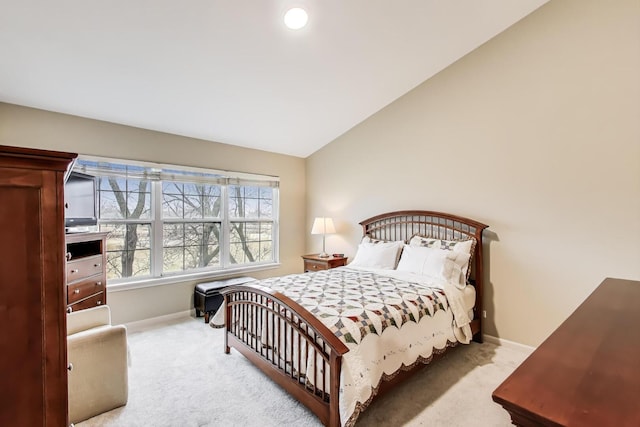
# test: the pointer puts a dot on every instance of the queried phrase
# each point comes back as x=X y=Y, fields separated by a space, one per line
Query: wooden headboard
x=402 y=225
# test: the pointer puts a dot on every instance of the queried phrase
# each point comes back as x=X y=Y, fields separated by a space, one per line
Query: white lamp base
x=324 y=255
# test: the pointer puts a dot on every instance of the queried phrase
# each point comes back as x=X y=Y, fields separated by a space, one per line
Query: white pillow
x=383 y=255
x=412 y=259
x=436 y=263
x=461 y=246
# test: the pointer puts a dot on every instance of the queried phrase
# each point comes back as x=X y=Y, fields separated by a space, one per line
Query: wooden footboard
x=287 y=343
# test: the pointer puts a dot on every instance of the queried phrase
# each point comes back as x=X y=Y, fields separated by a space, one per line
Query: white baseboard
x=506 y=343
x=144 y=324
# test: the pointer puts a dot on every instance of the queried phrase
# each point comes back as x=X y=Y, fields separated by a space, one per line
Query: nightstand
x=314 y=263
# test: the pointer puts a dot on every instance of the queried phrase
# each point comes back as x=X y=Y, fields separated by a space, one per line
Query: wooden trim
x=30 y=158
x=399 y=214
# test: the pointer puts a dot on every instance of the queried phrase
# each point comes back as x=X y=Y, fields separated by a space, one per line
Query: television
x=80 y=200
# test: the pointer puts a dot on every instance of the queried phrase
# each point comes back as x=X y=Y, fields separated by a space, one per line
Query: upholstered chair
x=98 y=363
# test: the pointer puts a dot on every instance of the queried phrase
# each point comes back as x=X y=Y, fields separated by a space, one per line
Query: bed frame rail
x=290 y=345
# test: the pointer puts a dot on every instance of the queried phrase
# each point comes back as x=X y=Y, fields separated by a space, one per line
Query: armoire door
x=33 y=382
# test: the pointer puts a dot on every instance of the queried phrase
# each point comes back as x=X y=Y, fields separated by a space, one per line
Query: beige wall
x=536 y=133
x=27 y=127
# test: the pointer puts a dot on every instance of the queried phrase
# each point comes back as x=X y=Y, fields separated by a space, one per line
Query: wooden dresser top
x=587 y=373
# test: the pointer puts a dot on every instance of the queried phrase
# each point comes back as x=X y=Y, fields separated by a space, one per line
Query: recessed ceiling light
x=296 y=18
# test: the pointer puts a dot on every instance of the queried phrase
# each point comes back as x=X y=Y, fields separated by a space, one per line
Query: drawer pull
x=75 y=270
x=97 y=265
x=70 y=367
x=98 y=283
x=99 y=303
x=69 y=309
x=68 y=256
x=76 y=291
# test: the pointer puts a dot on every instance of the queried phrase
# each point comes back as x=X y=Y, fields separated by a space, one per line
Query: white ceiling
x=229 y=70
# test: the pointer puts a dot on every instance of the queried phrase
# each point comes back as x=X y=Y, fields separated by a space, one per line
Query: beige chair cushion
x=87 y=319
x=97 y=351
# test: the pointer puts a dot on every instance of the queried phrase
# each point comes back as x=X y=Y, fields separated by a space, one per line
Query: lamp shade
x=323 y=225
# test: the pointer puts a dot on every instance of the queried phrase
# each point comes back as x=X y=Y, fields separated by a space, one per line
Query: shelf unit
x=86 y=270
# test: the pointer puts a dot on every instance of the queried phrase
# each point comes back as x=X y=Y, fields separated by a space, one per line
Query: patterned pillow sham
x=467 y=246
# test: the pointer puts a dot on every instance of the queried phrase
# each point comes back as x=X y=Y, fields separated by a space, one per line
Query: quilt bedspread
x=355 y=303
x=387 y=322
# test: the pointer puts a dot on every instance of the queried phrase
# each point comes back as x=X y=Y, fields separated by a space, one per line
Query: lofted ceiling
x=229 y=70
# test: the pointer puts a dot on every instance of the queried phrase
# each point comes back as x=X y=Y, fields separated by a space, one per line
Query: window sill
x=171 y=280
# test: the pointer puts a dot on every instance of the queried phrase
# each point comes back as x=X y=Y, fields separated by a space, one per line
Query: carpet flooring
x=180 y=377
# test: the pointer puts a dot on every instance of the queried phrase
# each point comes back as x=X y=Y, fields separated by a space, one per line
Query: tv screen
x=80 y=200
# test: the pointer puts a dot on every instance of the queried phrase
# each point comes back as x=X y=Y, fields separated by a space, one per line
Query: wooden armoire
x=33 y=342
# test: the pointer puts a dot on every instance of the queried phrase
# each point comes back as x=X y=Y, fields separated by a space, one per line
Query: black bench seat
x=207 y=298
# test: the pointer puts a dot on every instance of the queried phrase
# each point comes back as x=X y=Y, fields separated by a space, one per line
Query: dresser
x=587 y=373
x=86 y=284
x=33 y=341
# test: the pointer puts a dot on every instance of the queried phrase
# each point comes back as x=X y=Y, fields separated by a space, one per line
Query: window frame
x=225 y=179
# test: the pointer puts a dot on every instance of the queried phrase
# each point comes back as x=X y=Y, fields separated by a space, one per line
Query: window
x=169 y=220
x=251 y=236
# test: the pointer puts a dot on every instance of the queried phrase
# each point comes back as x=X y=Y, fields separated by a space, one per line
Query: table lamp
x=323 y=226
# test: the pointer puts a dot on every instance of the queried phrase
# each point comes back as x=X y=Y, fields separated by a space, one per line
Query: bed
x=339 y=338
